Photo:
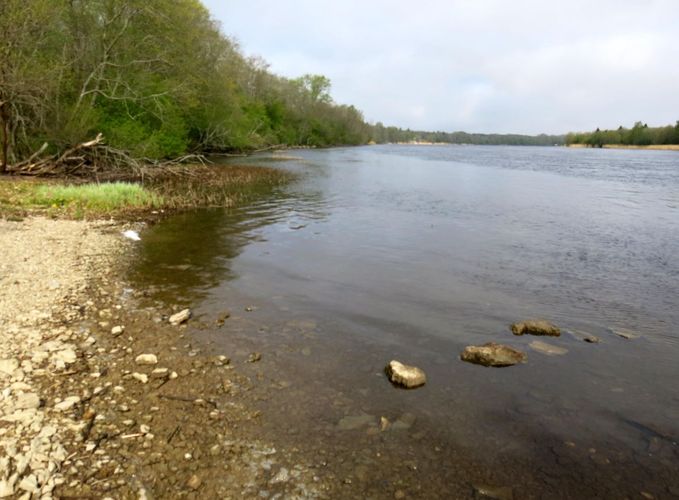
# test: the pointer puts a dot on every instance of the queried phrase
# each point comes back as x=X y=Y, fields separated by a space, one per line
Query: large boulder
x=535 y=327
x=404 y=375
x=492 y=354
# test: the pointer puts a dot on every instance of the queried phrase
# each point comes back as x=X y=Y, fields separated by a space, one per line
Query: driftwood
x=71 y=161
x=96 y=159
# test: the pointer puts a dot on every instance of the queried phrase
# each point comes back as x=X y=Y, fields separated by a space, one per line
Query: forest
x=639 y=135
x=382 y=134
x=153 y=79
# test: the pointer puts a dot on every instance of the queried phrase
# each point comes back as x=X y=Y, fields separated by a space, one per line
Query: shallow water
x=411 y=253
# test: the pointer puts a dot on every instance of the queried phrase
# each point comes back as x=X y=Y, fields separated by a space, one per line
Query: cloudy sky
x=524 y=66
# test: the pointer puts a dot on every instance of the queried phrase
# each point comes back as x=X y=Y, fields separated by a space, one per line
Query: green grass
x=106 y=197
x=76 y=200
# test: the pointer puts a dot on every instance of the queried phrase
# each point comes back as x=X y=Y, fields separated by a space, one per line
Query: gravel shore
x=101 y=397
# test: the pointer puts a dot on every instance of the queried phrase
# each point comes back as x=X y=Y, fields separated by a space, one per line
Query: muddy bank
x=102 y=397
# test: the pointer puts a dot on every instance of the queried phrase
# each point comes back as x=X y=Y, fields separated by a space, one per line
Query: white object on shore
x=133 y=235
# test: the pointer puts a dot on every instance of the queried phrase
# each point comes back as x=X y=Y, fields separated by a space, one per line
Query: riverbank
x=652 y=147
x=83 y=415
x=138 y=197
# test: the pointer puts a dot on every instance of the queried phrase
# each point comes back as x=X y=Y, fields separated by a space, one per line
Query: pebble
x=67 y=403
x=194 y=482
x=160 y=373
x=181 y=317
x=68 y=356
x=29 y=484
x=146 y=359
x=8 y=366
x=27 y=401
x=141 y=377
x=283 y=476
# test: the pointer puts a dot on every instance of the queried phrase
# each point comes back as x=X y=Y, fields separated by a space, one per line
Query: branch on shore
x=94 y=158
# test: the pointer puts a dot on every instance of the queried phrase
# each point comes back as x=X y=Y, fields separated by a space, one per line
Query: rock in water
x=492 y=354
x=180 y=317
x=535 y=327
x=548 y=349
x=625 y=333
x=404 y=375
x=584 y=336
x=494 y=492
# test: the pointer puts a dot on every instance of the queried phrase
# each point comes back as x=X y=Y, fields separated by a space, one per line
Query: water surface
x=412 y=253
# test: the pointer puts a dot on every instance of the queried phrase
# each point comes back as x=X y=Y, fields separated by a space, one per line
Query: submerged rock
x=404 y=422
x=181 y=317
x=495 y=492
x=405 y=375
x=492 y=354
x=535 y=327
x=548 y=349
x=625 y=333
x=584 y=336
x=352 y=422
x=223 y=316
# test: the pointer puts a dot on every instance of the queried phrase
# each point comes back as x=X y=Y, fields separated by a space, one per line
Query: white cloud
x=488 y=65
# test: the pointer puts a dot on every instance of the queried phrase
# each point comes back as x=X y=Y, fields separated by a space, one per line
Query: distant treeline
x=639 y=135
x=382 y=134
x=157 y=78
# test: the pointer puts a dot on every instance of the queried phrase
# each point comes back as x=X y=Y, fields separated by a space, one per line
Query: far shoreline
x=651 y=147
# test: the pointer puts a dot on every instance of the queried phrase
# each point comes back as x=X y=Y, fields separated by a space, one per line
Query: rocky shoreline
x=101 y=397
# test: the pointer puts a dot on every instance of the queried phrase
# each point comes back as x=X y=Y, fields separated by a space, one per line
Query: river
x=413 y=252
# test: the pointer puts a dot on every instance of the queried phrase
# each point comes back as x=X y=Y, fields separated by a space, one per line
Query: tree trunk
x=4 y=124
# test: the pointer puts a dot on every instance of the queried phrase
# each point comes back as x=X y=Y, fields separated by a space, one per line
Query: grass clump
x=20 y=196
x=101 y=198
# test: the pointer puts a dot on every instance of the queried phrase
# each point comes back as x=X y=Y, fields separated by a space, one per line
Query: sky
x=490 y=66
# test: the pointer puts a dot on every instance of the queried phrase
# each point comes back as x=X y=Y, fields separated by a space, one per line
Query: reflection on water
x=414 y=252
x=189 y=254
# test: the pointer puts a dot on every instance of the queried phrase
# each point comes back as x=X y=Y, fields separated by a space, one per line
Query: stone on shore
x=141 y=377
x=181 y=317
x=67 y=403
x=7 y=366
x=146 y=359
x=404 y=375
x=535 y=327
x=68 y=356
x=492 y=354
x=27 y=401
x=548 y=349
